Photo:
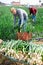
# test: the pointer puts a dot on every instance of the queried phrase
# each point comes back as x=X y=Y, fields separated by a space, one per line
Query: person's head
x=13 y=10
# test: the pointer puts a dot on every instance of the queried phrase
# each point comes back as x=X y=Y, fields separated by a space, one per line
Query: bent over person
x=33 y=12
x=22 y=18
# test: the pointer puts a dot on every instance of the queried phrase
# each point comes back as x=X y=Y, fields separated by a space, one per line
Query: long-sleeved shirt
x=21 y=14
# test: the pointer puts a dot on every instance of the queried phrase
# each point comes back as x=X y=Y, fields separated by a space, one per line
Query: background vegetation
x=7 y=30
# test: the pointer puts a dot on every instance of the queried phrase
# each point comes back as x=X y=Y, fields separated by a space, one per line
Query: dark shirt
x=32 y=10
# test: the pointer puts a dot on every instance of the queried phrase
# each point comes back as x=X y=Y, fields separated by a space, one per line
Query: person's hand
x=33 y=20
x=21 y=25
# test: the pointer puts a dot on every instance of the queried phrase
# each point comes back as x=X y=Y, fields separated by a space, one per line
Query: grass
x=7 y=30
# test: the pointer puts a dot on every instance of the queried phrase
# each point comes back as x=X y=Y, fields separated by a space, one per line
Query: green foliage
x=7 y=30
x=25 y=47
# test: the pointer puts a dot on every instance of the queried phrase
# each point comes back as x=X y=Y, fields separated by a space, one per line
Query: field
x=26 y=51
x=7 y=30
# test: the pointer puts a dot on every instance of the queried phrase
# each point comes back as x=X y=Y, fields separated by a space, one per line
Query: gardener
x=22 y=18
x=33 y=12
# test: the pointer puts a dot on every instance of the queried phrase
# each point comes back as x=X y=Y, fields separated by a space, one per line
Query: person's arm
x=27 y=16
x=21 y=16
x=14 y=20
